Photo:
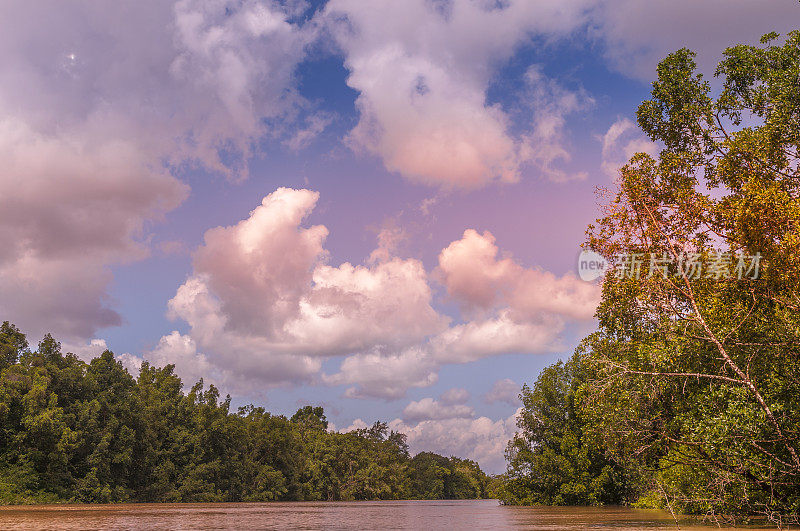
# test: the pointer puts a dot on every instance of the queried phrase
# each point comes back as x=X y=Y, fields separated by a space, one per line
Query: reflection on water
x=461 y=514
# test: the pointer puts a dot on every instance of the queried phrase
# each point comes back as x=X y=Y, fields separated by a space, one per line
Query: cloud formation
x=546 y=145
x=262 y=294
x=385 y=375
x=481 y=439
x=505 y=390
x=264 y=304
x=480 y=280
x=100 y=105
x=623 y=140
x=70 y=206
x=453 y=431
x=96 y=121
x=422 y=71
x=451 y=405
x=638 y=35
x=181 y=351
x=430 y=409
x=453 y=396
x=509 y=309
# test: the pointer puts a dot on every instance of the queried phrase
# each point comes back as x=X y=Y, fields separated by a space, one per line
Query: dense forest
x=687 y=397
x=90 y=432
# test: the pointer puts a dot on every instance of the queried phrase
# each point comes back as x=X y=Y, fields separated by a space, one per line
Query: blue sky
x=374 y=206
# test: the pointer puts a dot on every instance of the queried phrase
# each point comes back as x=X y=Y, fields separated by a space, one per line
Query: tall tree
x=697 y=356
x=553 y=459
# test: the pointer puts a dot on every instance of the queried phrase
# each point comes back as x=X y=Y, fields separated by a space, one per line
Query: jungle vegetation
x=72 y=431
x=687 y=396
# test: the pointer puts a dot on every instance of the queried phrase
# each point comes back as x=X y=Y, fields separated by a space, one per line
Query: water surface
x=454 y=515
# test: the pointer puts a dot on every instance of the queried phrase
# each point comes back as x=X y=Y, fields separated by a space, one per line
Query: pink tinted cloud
x=263 y=295
x=504 y=390
x=422 y=74
x=99 y=104
x=481 y=439
x=623 y=140
x=260 y=268
x=430 y=409
x=70 y=207
x=638 y=35
x=479 y=279
x=261 y=292
x=386 y=375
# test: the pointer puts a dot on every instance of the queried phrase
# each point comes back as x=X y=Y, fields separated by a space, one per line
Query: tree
x=553 y=460
x=12 y=344
x=310 y=417
x=435 y=477
x=72 y=431
x=696 y=375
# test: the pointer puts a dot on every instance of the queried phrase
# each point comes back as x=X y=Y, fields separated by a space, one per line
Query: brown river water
x=453 y=515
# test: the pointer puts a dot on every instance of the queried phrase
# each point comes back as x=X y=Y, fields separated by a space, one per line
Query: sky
x=372 y=206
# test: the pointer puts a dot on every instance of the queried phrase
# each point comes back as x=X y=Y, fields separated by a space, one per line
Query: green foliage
x=690 y=385
x=553 y=460
x=12 y=344
x=77 y=432
x=435 y=477
x=694 y=380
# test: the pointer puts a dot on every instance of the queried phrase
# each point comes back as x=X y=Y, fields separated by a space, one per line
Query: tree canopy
x=91 y=432
x=690 y=385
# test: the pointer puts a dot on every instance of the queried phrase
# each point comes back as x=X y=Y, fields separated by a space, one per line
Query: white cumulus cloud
x=264 y=306
x=100 y=104
x=623 y=140
x=430 y=409
x=481 y=439
x=262 y=296
x=504 y=390
x=422 y=71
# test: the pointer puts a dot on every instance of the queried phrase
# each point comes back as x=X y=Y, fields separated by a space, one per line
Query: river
x=452 y=515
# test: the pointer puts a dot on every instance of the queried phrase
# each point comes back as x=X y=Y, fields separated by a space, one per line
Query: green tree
x=12 y=344
x=435 y=477
x=311 y=418
x=696 y=376
x=554 y=460
x=89 y=432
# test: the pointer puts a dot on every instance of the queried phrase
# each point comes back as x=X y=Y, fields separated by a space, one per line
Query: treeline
x=72 y=431
x=687 y=397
